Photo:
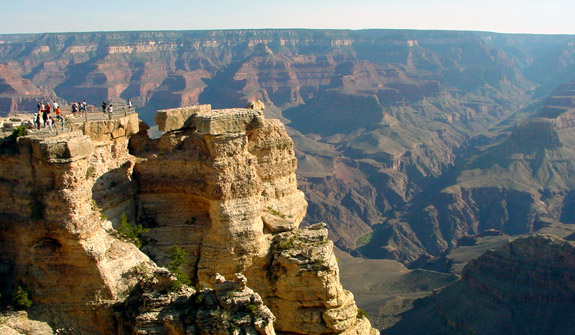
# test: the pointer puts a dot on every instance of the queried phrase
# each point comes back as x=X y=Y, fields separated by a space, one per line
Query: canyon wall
x=54 y=240
x=221 y=185
x=524 y=286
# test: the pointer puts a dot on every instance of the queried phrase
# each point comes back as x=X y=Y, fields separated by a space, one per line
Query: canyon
x=410 y=146
x=381 y=119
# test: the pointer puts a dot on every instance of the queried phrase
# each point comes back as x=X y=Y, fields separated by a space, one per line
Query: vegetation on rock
x=21 y=299
x=178 y=258
x=131 y=232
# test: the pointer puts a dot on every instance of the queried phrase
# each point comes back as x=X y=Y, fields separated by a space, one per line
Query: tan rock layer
x=223 y=187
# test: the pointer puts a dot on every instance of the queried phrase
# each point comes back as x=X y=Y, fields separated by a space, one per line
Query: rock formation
x=534 y=269
x=18 y=323
x=229 y=307
x=220 y=184
x=512 y=186
x=525 y=286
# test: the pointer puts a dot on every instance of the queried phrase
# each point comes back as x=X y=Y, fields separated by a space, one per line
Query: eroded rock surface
x=221 y=185
x=231 y=307
x=524 y=286
x=537 y=268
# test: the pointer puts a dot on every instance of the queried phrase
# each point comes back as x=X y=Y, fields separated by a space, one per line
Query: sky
x=505 y=16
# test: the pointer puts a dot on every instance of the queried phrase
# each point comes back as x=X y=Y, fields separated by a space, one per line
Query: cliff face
x=534 y=269
x=524 y=286
x=222 y=186
x=52 y=235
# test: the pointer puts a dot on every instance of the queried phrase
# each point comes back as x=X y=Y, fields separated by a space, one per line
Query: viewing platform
x=92 y=122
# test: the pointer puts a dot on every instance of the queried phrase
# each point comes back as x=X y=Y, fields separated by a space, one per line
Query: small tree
x=178 y=258
x=131 y=232
x=19 y=131
x=21 y=298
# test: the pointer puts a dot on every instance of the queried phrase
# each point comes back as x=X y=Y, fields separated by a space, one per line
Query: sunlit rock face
x=221 y=185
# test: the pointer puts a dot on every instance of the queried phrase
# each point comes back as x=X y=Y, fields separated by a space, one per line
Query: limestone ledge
x=208 y=121
x=105 y=130
x=227 y=121
x=63 y=149
x=175 y=118
x=79 y=143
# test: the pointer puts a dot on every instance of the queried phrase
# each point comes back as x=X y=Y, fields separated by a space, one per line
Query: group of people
x=44 y=117
x=108 y=108
x=79 y=106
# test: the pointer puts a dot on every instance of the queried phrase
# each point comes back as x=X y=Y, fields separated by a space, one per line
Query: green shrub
x=253 y=308
x=19 y=131
x=276 y=212
x=361 y=313
x=90 y=172
x=21 y=299
x=363 y=240
x=178 y=258
x=9 y=144
x=199 y=298
x=131 y=232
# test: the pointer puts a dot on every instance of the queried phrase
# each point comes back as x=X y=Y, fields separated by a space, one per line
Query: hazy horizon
x=61 y=16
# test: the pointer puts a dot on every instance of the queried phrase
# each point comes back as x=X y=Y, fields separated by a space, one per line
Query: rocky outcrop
x=175 y=118
x=524 y=286
x=308 y=305
x=534 y=269
x=155 y=308
x=221 y=186
x=18 y=323
x=215 y=179
x=53 y=235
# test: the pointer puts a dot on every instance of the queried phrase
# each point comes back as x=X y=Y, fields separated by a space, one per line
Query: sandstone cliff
x=524 y=286
x=221 y=185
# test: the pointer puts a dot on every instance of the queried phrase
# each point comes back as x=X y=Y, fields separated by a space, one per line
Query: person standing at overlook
x=74 y=108
x=45 y=115
x=59 y=116
x=37 y=119
x=83 y=107
x=104 y=105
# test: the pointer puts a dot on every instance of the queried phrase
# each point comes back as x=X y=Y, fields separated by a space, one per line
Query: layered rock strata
x=536 y=269
x=221 y=185
x=52 y=236
x=523 y=287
